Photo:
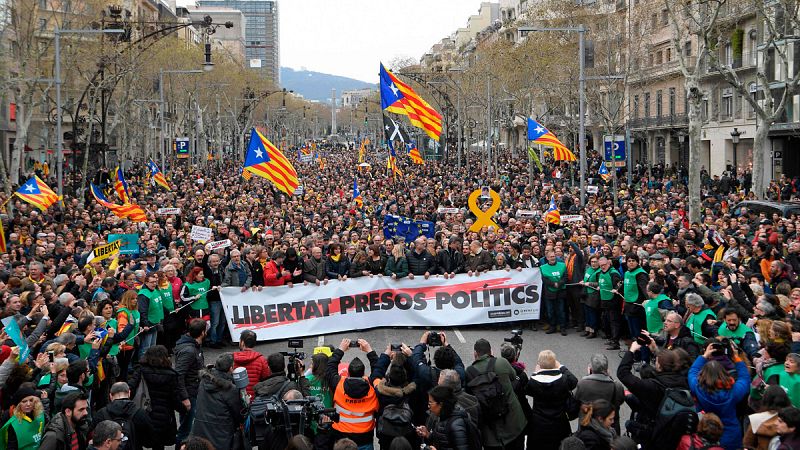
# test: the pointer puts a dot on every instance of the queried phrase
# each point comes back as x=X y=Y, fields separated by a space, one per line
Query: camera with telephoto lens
x=271 y=417
x=434 y=339
x=291 y=368
x=515 y=340
x=721 y=347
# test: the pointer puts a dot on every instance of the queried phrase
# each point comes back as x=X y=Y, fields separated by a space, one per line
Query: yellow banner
x=103 y=252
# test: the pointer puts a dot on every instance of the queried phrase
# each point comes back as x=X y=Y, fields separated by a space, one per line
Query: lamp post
x=681 y=139
x=581 y=30
x=735 y=135
x=57 y=79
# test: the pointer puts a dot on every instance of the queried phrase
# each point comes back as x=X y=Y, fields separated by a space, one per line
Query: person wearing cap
x=151 y=265
x=122 y=409
x=219 y=406
x=354 y=395
x=25 y=428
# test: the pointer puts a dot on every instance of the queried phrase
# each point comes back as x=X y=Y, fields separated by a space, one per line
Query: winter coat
x=335 y=268
x=550 y=390
x=420 y=263
x=232 y=275
x=355 y=388
x=500 y=432
x=273 y=277
x=478 y=263
x=595 y=437
x=694 y=441
x=55 y=435
x=189 y=362
x=391 y=395
x=274 y=382
x=256 y=365
x=162 y=383
x=127 y=410
x=449 y=433
x=376 y=267
x=722 y=402
x=760 y=429
x=397 y=267
x=256 y=272
x=451 y=261
x=357 y=269
x=314 y=270
x=649 y=391
x=598 y=386
x=219 y=409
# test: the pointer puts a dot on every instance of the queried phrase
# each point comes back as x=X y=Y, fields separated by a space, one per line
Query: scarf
x=336 y=258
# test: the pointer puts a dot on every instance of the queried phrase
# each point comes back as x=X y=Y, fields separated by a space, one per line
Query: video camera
x=270 y=416
x=434 y=339
x=515 y=340
x=294 y=355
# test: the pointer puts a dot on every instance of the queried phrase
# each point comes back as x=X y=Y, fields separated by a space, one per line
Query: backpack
x=474 y=437
x=487 y=389
x=142 y=398
x=676 y=417
x=396 y=420
x=126 y=422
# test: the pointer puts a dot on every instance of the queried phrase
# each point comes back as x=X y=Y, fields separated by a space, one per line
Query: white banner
x=443 y=210
x=216 y=245
x=168 y=211
x=567 y=218
x=200 y=234
x=360 y=303
x=526 y=213
x=592 y=189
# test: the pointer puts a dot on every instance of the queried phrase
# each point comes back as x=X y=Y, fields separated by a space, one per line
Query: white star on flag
x=29 y=187
x=259 y=153
x=539 y=129
x=394 y=89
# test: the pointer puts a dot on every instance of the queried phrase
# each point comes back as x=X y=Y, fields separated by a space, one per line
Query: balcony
x=660 y=70
x=669 y=121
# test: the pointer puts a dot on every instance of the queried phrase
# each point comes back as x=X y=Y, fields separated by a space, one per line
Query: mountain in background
x=317 y=86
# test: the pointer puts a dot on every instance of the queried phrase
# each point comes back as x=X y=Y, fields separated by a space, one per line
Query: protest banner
x=408 y=229
x=592 y=189
x=168 y=211
x=443 y=210
x=299 y=190
x=527 y=213
x=216 y=245
x=104 y=251
x=567 y=218
x=367 y=302
x=12 y=330
x=201 y=234
x=130 y=243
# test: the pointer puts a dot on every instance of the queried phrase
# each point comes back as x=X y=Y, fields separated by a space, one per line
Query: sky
x=351 y=37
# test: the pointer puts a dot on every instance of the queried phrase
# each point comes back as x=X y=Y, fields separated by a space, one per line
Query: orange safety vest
x=356 y=415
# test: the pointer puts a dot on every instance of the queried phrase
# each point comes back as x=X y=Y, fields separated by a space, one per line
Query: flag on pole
x=413 y=153
x=541 y=135
x=128 y=211
x=265 y=160
x=535 y=158
x=362 y=151
x=603 y=172
x=37 y=193
x=246 y=174
x=357 y=194
x=121 y=186
x=553 y=215
x=157 y=176
x=399 y=98
x=391 y=163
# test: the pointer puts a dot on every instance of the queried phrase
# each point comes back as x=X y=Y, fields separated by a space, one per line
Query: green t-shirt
x=654 y=321
x=155 y=307
x=200 y=289
x=29 y=432
x=133 y=319
x=631 y=288
x=554 y=273
x=606 y=284
x=695 y=324
x=166 y=298
x=589 y=277
x=736 y=335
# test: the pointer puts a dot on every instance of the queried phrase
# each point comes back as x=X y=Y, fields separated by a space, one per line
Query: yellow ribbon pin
x=483 y=218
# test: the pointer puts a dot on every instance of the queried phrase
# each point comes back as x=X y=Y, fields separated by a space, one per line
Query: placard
x=130 y=243
x=216 y=245
x=592 y=189
x=201 y=234
x=567 y=218
x=168 y=211
x=443 y=210
x=527 y=213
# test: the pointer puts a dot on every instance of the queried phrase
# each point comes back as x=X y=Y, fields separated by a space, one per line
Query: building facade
x=262 y=34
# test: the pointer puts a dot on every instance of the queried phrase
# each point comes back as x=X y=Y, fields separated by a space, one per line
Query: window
x=687 y=48
x=635 y=106
x=647 y=104
x=664 y=18
x=672 y=101
x=668 y=55
x=705 y=108
x=727 y=104
x=727 y=57
x=752 y=88
x=42 y=24
x=653 y=22
x=659 y=102
x=651 y=60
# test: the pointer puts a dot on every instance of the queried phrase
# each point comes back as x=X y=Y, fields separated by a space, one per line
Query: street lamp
x=161 y=73
x=681 y=139
x=57 y=75
x=581 y=30
x=735 y=134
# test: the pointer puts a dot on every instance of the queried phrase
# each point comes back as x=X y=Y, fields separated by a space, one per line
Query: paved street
x=572 y=351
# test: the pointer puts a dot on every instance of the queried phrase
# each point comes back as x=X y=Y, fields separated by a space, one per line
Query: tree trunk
x=695 y=124
x=761 y=167
x=89 y=131
x=23 y=124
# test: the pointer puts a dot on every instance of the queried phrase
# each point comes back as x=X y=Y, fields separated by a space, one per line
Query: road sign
x=181 y=146
x=615 y=150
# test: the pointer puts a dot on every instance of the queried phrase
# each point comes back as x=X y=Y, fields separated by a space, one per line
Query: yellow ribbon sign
x=104 y=251
x=483 y=218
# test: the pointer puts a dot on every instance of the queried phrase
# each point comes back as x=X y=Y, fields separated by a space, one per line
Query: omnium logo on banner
x=368 y=302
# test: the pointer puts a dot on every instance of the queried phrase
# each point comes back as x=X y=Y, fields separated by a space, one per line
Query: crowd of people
x=703 y=314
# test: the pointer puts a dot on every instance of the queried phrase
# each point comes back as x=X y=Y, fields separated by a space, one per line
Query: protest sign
x=567 y=218
x=201 y=234
x=104 y=251
x=216 y=245
x=168 y=211
x=130 y=243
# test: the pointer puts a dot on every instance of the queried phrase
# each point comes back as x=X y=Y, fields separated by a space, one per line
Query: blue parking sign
x=181 y=146
x=615 y=149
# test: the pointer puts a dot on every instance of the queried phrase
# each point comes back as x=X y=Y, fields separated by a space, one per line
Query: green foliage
x=737 y=39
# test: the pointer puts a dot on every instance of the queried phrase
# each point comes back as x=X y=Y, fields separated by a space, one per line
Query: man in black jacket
x=123 y=410
x=70 y=423
x=189 y=362
x=676 y=335
x=420 y=261
x=278 y=383
x=451 y=259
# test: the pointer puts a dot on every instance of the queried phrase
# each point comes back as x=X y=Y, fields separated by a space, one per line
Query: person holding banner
x=151 y=312
x=194 y=292
x=554 y=280
x=337 y=265
x=397 y=265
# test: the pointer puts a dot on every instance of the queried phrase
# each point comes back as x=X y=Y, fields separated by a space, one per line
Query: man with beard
x=69 y=429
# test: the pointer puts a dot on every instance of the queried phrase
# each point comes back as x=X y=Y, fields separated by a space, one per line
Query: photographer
x=279 y=382
x=354 y=397
x=445 y=357
x=394 y=389
x=219 y=406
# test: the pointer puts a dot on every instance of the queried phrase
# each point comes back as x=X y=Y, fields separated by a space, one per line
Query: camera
x=434 y=339
x=272 y=417
x=515 y=339
x=397 y=347
x=354 y=343
x=643 y=340
x=294 y=355
x=721 y=348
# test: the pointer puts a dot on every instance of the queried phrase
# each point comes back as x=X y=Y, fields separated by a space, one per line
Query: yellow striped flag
x=2 y=238
x=541 y=135
x=265 y=160
x=121 y=186
x=37 y=193
x=553 y=215
x=399 y=98
x=128 y=211
x=157 y=176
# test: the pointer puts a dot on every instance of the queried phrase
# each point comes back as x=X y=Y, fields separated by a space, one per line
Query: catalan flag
x=535 y=158
x=399 y=98
x=157 y=176
x=121 y=186
x=37 y=193
x=553 y=215
x=391 y=163
x=362 y=151
x=127 y=211
x=603 y=172
x=246 y=174
x=357 y=194
x=541 y=135
x=413 y=153
x=305 y=150
x=265 y=160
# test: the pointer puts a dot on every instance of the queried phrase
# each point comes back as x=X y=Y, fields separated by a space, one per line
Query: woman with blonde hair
x=397 y=265
x=550 y=386
x=24 y=429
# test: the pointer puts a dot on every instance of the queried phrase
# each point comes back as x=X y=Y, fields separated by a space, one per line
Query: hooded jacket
x=354 y=387
x=274 y=382
x=722 y=402
x=218 y=410
x=649 y=391
x=256 y=365
x=126 y=410
x=450 y=433
x=189 y=362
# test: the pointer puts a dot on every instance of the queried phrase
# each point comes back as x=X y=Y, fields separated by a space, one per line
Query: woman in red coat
x=274 y=273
